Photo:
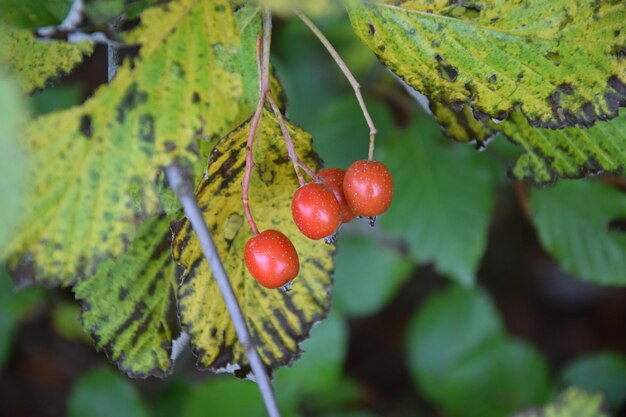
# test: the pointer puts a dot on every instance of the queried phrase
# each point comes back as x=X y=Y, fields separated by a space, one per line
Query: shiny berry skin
x=368 y=187
x=333 y=180
x=271 y=258
x=316 y=211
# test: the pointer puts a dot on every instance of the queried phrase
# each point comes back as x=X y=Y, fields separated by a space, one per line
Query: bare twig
x=183 y=188
x=353 y=82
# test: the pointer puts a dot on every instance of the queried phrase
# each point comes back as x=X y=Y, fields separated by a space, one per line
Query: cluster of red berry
x=318 y=209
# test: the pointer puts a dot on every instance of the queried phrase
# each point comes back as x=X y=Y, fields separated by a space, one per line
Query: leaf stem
x=183 y=187
x=346 y=72
x=265 y=52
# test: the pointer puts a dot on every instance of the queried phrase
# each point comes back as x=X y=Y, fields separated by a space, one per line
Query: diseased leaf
x=603 y=372
x=549 y=154
x=581 y=224
x=32 y=14
x=569 y=152
x=129 y=306
x=560 y=63
x=444 y=218
x=278 y=320
x=572 y=402
x=88 y=185
x=36 y=62
x=463 y=360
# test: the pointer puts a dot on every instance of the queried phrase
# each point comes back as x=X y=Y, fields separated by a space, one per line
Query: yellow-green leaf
x=572 y=402
x=37 y=62
x=566 y=153
x=90 y=164
x=13 y=161
x=460 y=124
x=278 y=320
x=559 y=62
x=549 y=154
x=129 y=306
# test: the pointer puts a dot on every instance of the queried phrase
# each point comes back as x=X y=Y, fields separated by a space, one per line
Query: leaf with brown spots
x=35 y=62
x=560 y=63
x=278 y=320
x=549 y=154
x=92 y=166
x=129 y=306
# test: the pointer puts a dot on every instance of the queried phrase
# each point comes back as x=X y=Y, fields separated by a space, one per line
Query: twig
x=308 y=170
x=290 y=149
x=263 y=55
x=353 y=82
x=183 y=188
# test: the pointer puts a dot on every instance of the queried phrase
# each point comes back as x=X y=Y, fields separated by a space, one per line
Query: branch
x=353 y=82
x=183 y=187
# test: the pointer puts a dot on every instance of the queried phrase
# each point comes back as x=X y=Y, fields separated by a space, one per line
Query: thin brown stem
x=290 y=149
x=308 y=170
x=254 y=124
x=353 y=82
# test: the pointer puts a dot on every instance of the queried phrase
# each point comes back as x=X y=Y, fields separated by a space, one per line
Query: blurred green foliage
x=603 y=372
x=104 y=392
x=574 y=221
x=462 y=358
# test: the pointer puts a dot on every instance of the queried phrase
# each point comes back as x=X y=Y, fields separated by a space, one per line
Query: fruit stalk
x=346 y=72
x=183 y=188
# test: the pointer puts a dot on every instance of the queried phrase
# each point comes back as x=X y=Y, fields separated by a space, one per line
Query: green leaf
x=66 y=321
x=572 y=402
x=129 y=306
x=569 y=152
x=102 y=392
x=278 y=320
x=88 y=185
x=340 y=132
x=367 y=275
x=575 y=221
x=35 y=62
x=602 y=372
x=32 y=14
x=55 y=98
x=225 y=397
x=560 y=62
x=13 y=161
x=101 y=11
x=465 y=363
x=443 y=216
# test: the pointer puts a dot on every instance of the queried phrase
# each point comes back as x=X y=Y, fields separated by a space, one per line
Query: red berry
x=368 y=188
x=315 y=211
x=333 y=180
x=271 y=258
